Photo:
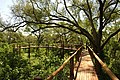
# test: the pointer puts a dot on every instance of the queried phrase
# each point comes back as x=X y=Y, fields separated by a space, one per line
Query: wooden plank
x=86 y=69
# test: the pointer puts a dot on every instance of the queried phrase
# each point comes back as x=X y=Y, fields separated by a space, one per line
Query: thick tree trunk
x=98 y=67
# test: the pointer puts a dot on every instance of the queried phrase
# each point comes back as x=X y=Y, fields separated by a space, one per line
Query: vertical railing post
x=48 y=48
x=71 y=67
x=29 y=51
x=13 y=48
x=19 y=50
x=78 y=55
x=63 y=50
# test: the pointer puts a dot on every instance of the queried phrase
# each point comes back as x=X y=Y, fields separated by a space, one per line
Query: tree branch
x=69 y=12
x=21 y=24
x=113 y=34
x=100 y=1
x=58 y=26
x=104 y=2
x=107 y=20
x=85 y=11
x=33 y=10
x=63 y=19
x=101 y=17
x=109 y=4
x=90 y=19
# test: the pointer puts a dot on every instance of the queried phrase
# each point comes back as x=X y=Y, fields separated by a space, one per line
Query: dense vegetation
x=19 y=66
x=16 y=66
x=42 y=62
x=60 y=23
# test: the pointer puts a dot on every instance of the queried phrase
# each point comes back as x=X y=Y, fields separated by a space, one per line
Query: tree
x=71 y=15
x=38 y=33
x=30 y=39
x=2 y=23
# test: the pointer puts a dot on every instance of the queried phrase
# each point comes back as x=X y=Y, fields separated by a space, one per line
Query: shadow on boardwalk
x=84 y=69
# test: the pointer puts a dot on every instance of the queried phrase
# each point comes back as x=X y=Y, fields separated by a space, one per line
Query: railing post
x=19 y=50
x=62 y=50
x=29 y=51
x=47 y=49
x=71 y=67
x=14 y=48
x=78 y=55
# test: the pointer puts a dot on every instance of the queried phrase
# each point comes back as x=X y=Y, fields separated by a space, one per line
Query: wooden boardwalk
x=85 y=68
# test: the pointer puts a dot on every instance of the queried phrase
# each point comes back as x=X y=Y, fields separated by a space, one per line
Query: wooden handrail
x=66 y=48
x=63 y=65
x=104 y=66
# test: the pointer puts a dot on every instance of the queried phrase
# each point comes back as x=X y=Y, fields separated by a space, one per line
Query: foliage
x=12 y=65
x=96 y=20
x=16 y=67
x=112 y=58
x=48 y=62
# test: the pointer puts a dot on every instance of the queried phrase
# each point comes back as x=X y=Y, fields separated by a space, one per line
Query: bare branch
x=69 y=12
x=113 y=34
x=63 y=19
x=33 y=10
x=101 y=17
x=84 y=10
x=104 y=2
x=19 y=27
x=2 y=25
x=109 y=4
x=100 y=1
x=21 y=24
x=90 y=18
x=37 y=5
x=107 y=20
x=58 y=26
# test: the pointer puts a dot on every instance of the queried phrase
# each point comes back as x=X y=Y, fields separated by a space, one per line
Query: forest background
x=59 y=22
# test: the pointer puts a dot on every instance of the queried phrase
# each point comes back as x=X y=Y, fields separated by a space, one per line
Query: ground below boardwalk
x=86 y=70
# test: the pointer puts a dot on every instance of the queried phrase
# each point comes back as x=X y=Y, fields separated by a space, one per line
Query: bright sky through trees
x=5 y=8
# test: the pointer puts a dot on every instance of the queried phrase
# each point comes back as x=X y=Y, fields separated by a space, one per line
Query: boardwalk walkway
x=85 y=70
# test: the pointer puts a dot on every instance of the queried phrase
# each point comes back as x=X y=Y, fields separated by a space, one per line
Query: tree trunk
x=98 y=66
